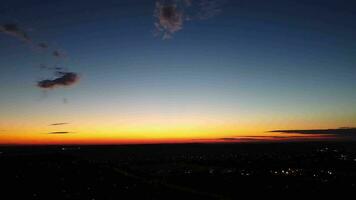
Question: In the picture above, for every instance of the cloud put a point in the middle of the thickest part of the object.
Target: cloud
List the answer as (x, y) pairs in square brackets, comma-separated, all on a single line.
[(258, 138), (59, 124), (238, 139), (171, 14), (272, 138), (339, 131), (169, 19), (43, 66), (64, 79), (60, 132), (15, 31), (58, 54), (230, 139), (342, 133), (43, 45)]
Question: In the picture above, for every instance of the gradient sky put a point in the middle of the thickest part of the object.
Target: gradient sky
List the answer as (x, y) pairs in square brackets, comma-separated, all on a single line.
[(248, 67)]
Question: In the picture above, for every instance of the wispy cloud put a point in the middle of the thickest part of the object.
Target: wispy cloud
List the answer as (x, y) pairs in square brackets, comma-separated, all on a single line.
[(63, 79), (59, 124), (171, 15), (60, 132), (43, 45), (169, 19), (58, 54), (272, 138), (238, 139), (55, 68), (341, 133), (15, 31)]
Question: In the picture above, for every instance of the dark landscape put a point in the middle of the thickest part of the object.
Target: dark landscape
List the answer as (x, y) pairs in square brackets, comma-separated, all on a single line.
[(176, 171)]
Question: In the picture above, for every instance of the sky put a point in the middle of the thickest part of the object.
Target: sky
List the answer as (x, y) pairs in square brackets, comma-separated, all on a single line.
[(148, 71)]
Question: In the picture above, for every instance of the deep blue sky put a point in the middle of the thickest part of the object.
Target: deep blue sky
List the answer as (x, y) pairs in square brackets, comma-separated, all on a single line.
[(273, 62)]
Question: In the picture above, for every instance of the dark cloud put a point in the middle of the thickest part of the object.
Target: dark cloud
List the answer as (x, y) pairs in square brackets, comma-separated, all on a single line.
[(43, 66), (43, 45), (15, 31), (257, 138), (63, 79), (340, 133), (60, 132), (169, 19), (229, 139), (301, 137), (238, 139), (171, 14), (58, 54), (59, 124)]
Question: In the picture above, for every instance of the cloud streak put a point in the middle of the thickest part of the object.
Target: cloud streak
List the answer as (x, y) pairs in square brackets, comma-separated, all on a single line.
[(58, 54), (59, 124), (345, 133), (339, 131), (272, 138), (15, 31), (60, 132), (64, 79), (342, 133), (43, 45)]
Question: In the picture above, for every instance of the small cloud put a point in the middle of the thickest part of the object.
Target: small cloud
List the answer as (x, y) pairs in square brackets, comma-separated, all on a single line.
[(169, 19), (59, 124), (60, 132), (65, 101), (171, 14), (241, 139), (230, 139), (64, 79), (46, 67), (43, 45), (15, 31), (58, 54)]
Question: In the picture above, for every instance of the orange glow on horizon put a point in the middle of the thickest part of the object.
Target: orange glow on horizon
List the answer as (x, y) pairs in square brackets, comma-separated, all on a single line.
[(149, 131), (82, 139)]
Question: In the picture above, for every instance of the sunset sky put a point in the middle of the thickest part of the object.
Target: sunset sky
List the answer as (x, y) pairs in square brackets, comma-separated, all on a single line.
[(146, 71)]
